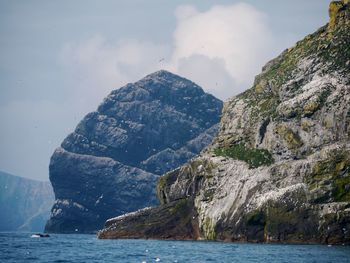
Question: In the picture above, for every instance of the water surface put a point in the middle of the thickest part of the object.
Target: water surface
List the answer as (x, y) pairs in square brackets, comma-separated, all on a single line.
[(20, 247)]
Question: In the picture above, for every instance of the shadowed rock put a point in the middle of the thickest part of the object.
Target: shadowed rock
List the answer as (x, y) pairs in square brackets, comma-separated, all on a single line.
[(110, 164)]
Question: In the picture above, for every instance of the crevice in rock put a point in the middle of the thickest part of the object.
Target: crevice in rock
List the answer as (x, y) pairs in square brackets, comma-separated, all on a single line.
[(262, 130)]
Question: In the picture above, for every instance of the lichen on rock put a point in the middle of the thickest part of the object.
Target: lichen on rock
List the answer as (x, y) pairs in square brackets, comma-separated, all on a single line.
[(297, 116), (335, 8)]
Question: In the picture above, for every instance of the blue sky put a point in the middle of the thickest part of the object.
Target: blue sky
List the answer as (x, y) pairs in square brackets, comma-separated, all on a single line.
[(59, 59)]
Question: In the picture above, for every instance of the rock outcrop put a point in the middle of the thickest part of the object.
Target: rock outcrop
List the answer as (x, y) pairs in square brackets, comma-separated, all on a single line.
[(24, 203), (279, 169), (110, 164)]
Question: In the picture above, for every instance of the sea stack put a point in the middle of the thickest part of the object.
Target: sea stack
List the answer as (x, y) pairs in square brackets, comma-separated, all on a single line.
[(110, 164)]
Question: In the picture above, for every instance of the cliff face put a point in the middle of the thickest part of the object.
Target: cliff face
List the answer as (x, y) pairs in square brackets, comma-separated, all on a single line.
[(279, 169), (24, 204), (110, 164)]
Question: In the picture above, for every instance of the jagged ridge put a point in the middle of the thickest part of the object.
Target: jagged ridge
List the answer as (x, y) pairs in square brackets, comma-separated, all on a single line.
[(293, 125), (110, 164)]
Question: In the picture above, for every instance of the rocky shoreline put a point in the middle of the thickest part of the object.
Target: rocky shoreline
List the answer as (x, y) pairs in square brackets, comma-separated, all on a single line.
[(279, 169)]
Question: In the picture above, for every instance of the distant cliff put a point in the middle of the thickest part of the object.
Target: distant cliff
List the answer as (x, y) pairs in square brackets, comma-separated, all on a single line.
[(24, 204), (110, 164), (279, 169)]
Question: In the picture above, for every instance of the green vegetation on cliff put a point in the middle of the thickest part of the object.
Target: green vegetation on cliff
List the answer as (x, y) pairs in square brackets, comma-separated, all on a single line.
[(253, 157), (331, 177), (294, 124)]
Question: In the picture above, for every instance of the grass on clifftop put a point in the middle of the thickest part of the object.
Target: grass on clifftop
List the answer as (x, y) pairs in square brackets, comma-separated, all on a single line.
[(253, 157)]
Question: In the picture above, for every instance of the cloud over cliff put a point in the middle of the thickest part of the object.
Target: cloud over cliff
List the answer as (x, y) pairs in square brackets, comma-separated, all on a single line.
[(221, 49)]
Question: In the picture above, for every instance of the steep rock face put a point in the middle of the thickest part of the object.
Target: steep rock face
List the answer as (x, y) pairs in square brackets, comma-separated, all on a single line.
[(24, 204), (110, 164), (279, 169)]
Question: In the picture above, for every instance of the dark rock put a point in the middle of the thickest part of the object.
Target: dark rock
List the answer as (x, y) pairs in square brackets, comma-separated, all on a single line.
[(40, 235), (175, 220), (110, 164)]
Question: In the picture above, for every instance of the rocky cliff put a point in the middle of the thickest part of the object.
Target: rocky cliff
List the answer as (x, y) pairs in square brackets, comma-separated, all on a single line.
[(279, 169), (110, 164), (24, 204)]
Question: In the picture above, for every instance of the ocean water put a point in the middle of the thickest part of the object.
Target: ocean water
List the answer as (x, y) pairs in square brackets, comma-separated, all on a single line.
[(20, 247)]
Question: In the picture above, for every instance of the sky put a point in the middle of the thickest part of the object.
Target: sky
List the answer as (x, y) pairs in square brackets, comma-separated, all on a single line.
[(59, 59)]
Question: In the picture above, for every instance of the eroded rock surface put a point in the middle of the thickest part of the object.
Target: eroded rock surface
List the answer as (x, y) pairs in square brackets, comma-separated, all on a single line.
[(279, 169), (110, 164)]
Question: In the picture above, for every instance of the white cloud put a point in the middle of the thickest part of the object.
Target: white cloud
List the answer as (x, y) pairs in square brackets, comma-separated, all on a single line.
[(99, 66), (221, 49), (237, 35), (209, 73), (185, 11)]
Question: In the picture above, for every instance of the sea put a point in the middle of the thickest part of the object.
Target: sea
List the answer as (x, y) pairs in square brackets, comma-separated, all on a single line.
[(21, 247)]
